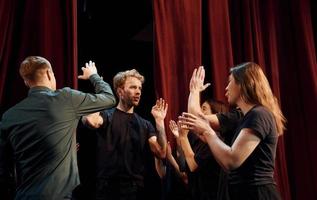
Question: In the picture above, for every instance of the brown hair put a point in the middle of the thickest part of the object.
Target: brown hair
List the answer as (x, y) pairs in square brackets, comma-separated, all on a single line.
[(256, 89), (31, 66), (120, 78), (216, 106)]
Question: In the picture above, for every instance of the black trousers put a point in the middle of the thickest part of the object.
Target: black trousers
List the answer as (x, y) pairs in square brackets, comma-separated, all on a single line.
[(119, 189), (254, 192)]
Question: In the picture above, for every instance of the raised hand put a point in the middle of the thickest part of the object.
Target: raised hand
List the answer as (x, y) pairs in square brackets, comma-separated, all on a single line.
[(88, 70), (198, 125), (183, 131), (197, 80), (93, 120), (159, 110), (174, 128)]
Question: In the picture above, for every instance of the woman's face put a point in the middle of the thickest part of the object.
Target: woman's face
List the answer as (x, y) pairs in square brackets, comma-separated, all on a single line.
[(232, 91), (206, 109)]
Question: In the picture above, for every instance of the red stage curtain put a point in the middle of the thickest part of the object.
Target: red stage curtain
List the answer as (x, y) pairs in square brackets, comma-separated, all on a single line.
[(177, 42), (36, 27), (276, 35)]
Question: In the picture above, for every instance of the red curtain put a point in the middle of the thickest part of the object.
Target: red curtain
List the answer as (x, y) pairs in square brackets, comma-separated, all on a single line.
[(177, 42), (276, 35), (36, 27)]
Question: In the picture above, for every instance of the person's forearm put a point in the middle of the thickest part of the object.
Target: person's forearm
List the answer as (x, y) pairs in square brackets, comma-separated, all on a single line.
[(101, 87), (180, 159), (160, 167), (193, 106), (222, 152), (189, 154), (161, 136)]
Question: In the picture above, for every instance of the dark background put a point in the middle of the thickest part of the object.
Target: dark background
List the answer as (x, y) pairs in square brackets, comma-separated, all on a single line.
[(117, 36)]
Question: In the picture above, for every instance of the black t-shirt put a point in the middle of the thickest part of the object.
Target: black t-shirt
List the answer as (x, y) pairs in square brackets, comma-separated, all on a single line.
[(258, 168), (228, 123), (203, 182), (121, 145)]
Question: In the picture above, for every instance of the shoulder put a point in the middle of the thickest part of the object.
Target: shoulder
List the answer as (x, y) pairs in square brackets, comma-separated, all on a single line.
[(260, 120), (144, 123), (141, 119), (107, 113), (68, 90), (233, 115), (260, 113)]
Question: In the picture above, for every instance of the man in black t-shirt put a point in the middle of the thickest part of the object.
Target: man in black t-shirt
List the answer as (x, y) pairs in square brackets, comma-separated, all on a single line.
[(122, 136)]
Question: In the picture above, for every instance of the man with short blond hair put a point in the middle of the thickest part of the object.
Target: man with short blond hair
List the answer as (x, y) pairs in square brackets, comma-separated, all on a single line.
[(121, 140), (40, 131)]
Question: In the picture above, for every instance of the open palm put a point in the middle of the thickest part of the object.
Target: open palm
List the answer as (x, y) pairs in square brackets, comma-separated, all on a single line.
[(159, 110)]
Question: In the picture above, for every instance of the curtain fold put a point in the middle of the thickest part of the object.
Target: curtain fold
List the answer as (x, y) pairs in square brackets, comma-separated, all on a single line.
[(36, 27), (177, 42)]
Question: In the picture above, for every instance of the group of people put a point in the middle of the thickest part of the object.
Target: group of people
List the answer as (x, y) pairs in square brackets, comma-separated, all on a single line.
[(219, 154)]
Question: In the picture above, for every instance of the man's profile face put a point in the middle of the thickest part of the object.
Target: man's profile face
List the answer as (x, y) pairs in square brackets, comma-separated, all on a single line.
[(130, 93)]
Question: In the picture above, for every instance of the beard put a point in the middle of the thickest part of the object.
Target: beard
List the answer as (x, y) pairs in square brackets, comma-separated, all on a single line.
[(130, 102)]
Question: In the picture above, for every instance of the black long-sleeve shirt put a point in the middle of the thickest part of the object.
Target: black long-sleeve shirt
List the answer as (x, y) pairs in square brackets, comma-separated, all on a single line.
[(40, 130)]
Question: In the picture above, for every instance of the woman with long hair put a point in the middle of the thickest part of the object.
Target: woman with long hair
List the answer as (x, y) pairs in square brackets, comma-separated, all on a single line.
[(250, 157)]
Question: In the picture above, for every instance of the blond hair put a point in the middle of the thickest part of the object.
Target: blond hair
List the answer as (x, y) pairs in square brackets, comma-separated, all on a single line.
[(31, 66), (120, 78), (256, 89)]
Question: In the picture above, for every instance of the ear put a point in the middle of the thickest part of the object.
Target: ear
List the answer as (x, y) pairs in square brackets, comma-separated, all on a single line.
[(26, 83), (48, 74), (119, 92)]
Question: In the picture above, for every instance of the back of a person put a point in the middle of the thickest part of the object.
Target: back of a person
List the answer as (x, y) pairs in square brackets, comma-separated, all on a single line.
[(41, 131)]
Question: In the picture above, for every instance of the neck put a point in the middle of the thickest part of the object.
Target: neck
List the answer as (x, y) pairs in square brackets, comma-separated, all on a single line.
[(245, 107), (124, 107), (40, 85)]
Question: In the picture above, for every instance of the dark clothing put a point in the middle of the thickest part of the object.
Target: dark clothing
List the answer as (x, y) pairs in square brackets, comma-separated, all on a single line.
[(231, 119), (121, 151), (173, 187), (203, 182), (228, 124), (119, 189), (258, 168), (251, 192), (41, 132)]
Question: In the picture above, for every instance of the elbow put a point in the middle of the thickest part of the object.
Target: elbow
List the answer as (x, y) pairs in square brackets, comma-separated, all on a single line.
[(108, 100), (113, 100), (231, 165), (161, 153)]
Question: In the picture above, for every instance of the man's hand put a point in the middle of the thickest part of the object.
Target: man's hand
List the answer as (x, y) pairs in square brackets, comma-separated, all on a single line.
[(88, 70), (197, 80), (159, 110), (93, 120)]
